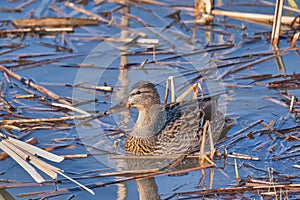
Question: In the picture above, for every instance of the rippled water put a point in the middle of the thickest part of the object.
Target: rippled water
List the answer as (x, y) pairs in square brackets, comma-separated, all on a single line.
[(244, 100)]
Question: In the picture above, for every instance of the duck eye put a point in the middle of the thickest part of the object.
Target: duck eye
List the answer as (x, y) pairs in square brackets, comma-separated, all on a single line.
[(138, 92)]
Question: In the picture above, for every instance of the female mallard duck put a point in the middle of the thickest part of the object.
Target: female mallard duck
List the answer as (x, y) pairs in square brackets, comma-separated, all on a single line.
[(172, 129)]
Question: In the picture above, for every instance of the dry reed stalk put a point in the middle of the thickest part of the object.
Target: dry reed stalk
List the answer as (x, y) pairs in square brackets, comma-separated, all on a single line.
[(188, 91), (140, 41), (292, 104), (212, 30), (211, 141), (236, 171), (126, 173), (296, 166), (12, 127), (32, 127), (26, 184), (203, 141), (142, 65), (275, 101), (13, 47), (41, 120), (33, 85), (234, 86), (64, 139), (270, 125), (285, 186), (202, 11), (260, 18), (173, 92), (75, 156), (139, 2), (34, 150), (290, 83), (209, 160), (288, 97), (7, 104), (70, 108), (31, 141), (151, 175), (258, 77), (216, 191), (24, 153), (34, 63), (26, 96), (25, 4), (239, 68), (123, 180), (277, 22), (242, 156), (54, 22), (22, 162), (151, 29), (235, 191), (6, 33), (167, 91), (101, 88), (294, 156), (195, 91), (295, 39), (198, 8), (57, 48), (88, 13), (293, 8), (26, 156), (211, 178), (177, 161), (257, 182)]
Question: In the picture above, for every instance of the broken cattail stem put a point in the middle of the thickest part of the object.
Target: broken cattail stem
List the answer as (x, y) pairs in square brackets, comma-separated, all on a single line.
[(167, 92), (75, 156), (70, 108), (236, 170), (292, 104), (188, 91), (275, 101), (211, 140), (202, 147), (173, 93), (295, 39), (242, 156), (277, 22), (270, 125), (33, 173), (260, 18), (51, 22)]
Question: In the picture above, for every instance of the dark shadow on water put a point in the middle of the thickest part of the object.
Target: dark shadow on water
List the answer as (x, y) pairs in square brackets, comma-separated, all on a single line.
[(4, 195)]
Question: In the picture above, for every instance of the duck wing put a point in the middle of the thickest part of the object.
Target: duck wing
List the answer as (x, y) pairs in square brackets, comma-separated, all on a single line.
[(180, 125)]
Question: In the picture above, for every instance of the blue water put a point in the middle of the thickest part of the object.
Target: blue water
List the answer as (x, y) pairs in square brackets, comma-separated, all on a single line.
[(245, 105)]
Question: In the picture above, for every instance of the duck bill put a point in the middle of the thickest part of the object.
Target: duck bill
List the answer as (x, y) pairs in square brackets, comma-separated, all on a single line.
[(122, 105)]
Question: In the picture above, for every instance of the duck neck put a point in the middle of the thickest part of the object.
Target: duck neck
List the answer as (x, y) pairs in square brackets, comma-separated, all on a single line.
[(144, 118), (146, 121), (147, 116)]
